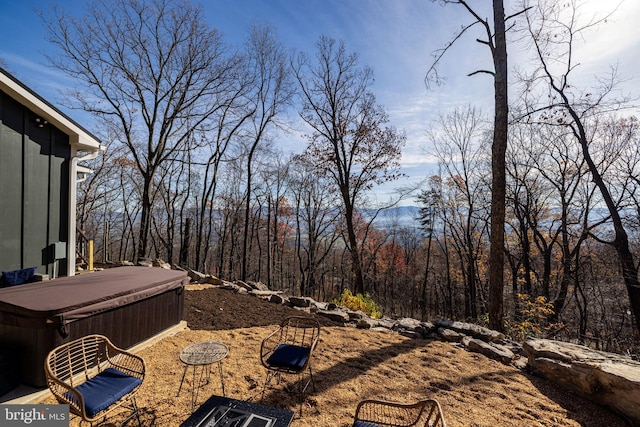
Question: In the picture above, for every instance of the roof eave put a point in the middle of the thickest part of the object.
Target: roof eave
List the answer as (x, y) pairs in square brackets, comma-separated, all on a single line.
[(78, 136)]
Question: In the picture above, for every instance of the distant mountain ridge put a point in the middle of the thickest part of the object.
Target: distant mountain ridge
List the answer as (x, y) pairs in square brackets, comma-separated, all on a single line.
[(395, 217)]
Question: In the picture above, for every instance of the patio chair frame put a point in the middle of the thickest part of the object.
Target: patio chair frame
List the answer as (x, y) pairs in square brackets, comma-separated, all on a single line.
[(72, 364), (380, 413), (295, 331)]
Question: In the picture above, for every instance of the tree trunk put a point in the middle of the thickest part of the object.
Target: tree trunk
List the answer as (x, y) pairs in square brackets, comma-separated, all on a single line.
[(186, 243), (245, 232), (423, 296), (526, 257), (356, 266), (498, 182), (630, 275), (269, 244), (621, 240), (472, 309), (145, 217), (568, 274)]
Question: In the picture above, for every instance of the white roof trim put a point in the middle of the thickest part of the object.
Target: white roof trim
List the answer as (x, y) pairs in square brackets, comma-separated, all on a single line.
[(78, 136)]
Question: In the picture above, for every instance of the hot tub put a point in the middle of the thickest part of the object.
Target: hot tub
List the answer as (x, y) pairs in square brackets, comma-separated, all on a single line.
[(126, 304)]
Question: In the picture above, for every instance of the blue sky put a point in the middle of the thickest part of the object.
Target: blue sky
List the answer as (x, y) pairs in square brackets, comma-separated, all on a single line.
[(394, 37)]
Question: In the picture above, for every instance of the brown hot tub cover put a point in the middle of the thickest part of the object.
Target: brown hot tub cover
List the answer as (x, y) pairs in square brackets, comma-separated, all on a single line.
[(71, 298), (126, 304)]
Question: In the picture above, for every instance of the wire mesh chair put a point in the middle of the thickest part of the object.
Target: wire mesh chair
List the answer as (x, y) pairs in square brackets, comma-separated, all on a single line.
[(378, 413), (288, 350), (94, 377)]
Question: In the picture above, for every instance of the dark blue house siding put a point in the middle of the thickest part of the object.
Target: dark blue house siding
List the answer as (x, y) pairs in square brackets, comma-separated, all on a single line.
[(34, 189)]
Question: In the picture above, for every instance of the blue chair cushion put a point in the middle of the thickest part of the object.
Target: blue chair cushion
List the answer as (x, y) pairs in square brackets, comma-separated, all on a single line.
[(289, 356), (363, 424), (105, 389), (17, 277)]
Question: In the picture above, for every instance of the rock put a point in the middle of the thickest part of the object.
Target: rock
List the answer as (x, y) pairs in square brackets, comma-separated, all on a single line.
[(465, 341), (300, 301), (275, 298), (241, 284), (470, 329), (609, 379), (429, 326), (450, 335), (321, 305), (336, 315), (357, 315), (519, 362), (366, 322), (514, 347), (363, 324), (160, 263), (410, 334), (213, 280), (414, 328), (492, 351), (567, 352), (409, 324), (144, 262), (385, 322), (503, 352), (196, 276), (258, 285), (264, 294), (231, 287)]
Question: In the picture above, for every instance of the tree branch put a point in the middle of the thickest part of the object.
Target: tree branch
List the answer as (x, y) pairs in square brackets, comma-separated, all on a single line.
[(481, 72), (432, 74)]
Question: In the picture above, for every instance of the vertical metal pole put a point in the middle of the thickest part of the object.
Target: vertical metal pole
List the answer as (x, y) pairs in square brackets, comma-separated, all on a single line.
[(106, 244), (90, 255)]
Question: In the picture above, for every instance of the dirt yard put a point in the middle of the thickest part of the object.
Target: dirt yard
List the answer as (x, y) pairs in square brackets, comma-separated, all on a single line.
[(351, 365)]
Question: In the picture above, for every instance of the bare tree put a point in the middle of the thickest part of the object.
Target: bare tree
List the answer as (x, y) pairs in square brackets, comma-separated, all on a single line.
[(553, 29), (552, 204), (217, 138), (98, 198), (630, 167), (275, 177), (272, 90), (172, 193), (458, 142), (228, 224), (152, 69), (495, 39), (315, 224), (430, 204), (351, 142)]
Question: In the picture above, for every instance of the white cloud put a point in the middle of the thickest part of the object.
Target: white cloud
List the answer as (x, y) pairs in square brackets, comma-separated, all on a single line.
[(613, 43)]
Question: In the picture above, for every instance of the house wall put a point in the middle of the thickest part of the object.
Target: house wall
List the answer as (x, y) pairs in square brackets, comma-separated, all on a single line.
[(34, 189)]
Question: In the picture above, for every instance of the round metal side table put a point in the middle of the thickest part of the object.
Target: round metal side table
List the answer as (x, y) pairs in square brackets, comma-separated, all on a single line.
[(201, 356)]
